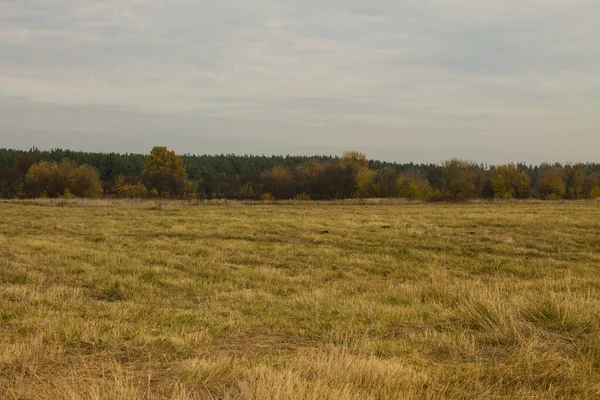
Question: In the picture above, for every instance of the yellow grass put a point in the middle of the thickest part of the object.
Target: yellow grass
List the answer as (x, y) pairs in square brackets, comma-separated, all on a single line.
[(121, 300)]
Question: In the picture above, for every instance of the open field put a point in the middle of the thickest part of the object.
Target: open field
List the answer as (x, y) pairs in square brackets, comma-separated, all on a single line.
[(109, 300)]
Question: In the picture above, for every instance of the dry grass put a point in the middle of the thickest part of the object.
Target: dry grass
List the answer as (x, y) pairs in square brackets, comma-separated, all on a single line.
[(118, 300)]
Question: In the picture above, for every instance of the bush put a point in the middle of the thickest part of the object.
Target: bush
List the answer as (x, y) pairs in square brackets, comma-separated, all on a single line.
[(52, 179), (246, 192), (413, 187), (67, 195), (267, 197), (137, 191), (302, 197)]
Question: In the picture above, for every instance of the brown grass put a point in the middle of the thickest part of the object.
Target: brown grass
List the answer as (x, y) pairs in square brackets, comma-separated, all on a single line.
[(106, 299)]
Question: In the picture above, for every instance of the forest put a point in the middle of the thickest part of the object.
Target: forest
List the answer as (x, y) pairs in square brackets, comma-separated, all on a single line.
[(66, 173)]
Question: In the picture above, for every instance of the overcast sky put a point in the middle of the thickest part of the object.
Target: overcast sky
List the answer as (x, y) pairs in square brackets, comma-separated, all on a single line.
[(402, 80)]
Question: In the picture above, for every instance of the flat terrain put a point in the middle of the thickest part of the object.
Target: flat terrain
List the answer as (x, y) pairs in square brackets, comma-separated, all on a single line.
[(117, 300)]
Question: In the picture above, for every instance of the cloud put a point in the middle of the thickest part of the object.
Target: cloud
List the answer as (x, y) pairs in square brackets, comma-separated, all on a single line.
[(451, 78)]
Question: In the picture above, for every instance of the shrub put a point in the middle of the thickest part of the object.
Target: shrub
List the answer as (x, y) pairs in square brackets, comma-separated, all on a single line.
[(137, 191), (413, 187), (52, 179), (67, 195), (302, 197), (267, 197), (246, 192)]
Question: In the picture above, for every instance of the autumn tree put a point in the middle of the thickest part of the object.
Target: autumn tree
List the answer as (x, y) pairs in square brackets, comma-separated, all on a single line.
[(487, 189), (86, 182), (575, 182), (208, 185), (164, 173), (436, 177), (385, 183), (12, 177), (52, 179), (592, 186), (553, 183), (319, 177), (509, 183), (24, 163), (336, 182), (354, 159), (463, 179), (11, 182), (245, 192), (363, 176), (280, 182), (307, 176), (364, 180), (413, 186)]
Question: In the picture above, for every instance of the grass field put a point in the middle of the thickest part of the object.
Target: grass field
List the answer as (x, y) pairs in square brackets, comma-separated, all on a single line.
[(118, 300)]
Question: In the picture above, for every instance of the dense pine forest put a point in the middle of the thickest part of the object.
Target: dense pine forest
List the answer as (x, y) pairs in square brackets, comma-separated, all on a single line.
[(60, 173)]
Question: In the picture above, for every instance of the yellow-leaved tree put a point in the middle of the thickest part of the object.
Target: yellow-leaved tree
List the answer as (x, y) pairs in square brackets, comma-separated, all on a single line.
[(52, 179), (164, 173), (413, 187), (576, 183), (464, 179), (509, 183), (365, 183), (279, 182), (354, 159), (307, 176), (554, 186), (364, 178)]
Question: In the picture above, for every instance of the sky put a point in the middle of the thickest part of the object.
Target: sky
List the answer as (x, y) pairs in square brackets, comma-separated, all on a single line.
[(401, 80)]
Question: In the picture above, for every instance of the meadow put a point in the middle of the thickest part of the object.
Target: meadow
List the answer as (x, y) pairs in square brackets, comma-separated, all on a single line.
[(104, 299)]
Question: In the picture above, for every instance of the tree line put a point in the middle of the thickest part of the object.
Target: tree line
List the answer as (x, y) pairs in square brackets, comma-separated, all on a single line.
[(162, 173)]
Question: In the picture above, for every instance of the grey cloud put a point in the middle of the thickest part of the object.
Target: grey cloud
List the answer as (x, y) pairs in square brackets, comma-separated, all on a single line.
[(455, 77), (106, 128)]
